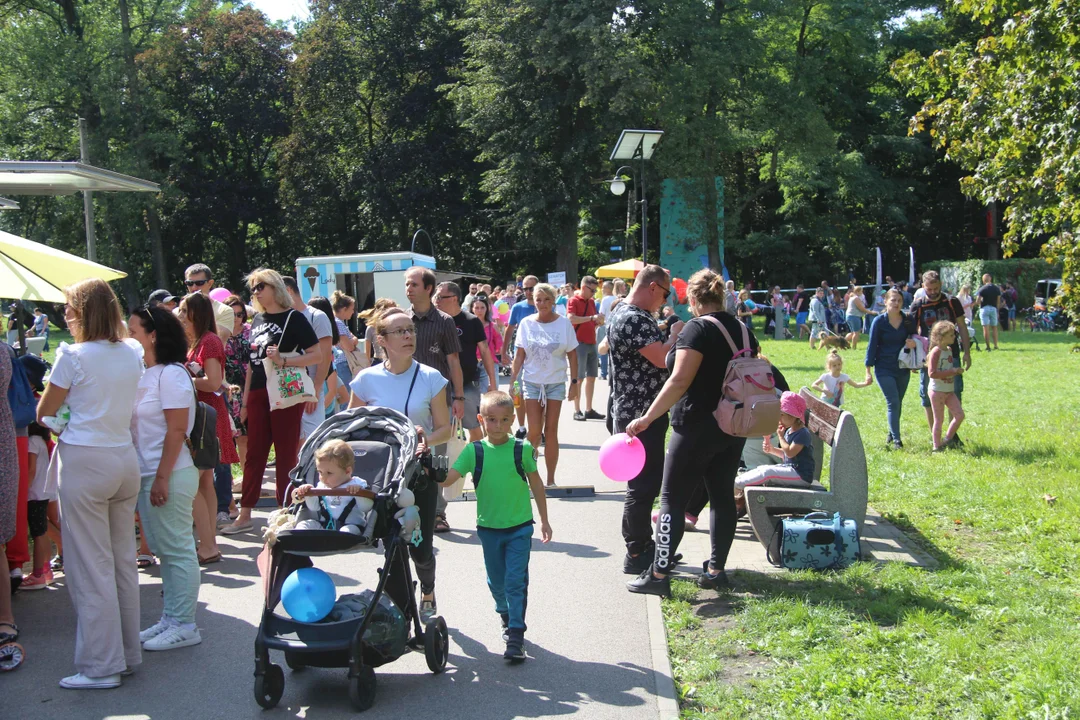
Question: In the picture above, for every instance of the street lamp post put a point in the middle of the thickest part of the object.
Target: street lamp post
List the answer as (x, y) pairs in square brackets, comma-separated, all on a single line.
[(636, 145)]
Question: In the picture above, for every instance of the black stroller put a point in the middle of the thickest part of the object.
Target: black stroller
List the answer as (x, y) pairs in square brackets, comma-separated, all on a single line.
[(384, 443)]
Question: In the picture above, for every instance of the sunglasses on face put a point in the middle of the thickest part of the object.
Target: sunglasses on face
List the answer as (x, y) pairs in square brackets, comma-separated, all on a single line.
[(238, 314), (667, 290), (258, 287), (528, 289), (446, 297), (195, 283)]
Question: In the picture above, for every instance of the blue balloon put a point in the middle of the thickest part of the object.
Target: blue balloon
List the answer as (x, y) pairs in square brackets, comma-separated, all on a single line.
[(308, 595), (750, 304)]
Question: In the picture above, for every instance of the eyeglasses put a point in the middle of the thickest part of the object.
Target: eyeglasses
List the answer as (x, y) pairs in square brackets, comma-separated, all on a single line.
[(195, 283), (667, 290), (258, 287), (401, 332), (446, 297), (528, 289)]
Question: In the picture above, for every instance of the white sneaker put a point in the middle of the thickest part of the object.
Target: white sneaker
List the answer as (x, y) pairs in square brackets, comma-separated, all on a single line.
[(176, 636), (223, 519), (79, 681), (156, 629)]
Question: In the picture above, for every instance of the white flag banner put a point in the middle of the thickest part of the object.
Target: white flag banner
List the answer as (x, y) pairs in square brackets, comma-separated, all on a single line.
[(877, 277), (911, 267)]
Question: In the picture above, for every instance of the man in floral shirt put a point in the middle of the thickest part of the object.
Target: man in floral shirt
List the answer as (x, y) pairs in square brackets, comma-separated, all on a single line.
[(638, 371)]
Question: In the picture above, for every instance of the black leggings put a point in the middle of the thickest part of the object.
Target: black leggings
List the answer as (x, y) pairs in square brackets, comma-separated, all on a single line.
[(698, 453)]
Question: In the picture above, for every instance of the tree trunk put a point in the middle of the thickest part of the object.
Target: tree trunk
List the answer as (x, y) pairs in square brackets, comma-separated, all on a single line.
[(566, 252)]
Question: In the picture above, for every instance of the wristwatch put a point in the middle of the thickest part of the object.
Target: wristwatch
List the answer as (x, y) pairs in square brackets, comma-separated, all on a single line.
[(458, 397), (573, 381)]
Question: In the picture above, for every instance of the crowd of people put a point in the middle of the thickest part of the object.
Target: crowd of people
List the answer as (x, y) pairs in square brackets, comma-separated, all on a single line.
[(122, 399)]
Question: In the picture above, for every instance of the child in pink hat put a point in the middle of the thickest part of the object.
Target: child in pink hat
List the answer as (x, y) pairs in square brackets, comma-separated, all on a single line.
[(796, 453)]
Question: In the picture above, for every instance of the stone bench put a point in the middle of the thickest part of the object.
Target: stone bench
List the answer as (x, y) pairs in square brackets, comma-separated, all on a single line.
[(847, 491)]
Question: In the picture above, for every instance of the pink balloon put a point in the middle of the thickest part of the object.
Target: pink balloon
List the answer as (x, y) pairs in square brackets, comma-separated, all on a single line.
[(620, 460), (219, 294)]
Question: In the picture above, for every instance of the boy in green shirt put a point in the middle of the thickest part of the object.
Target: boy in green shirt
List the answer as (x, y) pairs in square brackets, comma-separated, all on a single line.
[(504, 470)]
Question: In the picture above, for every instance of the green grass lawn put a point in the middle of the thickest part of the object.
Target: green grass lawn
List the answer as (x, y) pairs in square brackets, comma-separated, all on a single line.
[(993, 633)]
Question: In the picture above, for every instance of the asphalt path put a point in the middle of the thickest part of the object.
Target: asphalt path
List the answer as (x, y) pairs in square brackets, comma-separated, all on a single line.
[(588, 640)]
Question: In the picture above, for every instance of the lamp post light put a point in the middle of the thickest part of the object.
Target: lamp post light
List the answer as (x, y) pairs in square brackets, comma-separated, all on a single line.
[(636, 145)]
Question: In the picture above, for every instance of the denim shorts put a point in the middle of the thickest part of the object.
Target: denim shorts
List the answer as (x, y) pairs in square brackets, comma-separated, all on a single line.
[(988, 316), (854, 323), (550, 391)]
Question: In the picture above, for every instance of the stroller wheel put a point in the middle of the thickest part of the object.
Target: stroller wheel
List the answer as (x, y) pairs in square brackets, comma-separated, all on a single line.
[(294, 662), (362, 689), (269, 687), (436, 645)]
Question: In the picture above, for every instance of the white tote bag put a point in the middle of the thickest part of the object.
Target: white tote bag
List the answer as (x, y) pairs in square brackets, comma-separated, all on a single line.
[(287, 386), (458, 440)]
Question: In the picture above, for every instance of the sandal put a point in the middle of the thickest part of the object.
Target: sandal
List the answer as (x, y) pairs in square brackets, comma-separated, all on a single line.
[(6, 637), (145, 561), (210, 560), (441, 526)]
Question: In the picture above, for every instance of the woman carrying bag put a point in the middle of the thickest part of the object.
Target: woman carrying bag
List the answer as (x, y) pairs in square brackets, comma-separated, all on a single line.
[(888, 337), (206, 362), (419, 392), (163, 419), (277, 333)]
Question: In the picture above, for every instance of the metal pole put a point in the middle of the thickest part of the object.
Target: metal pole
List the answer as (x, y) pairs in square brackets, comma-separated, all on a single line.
[(644, 206), (88, 197)]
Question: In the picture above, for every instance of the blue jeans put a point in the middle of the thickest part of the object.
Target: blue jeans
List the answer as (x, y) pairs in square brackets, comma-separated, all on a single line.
[(168, 531), (341, 367), (506, 557), (223, 486), (893, 387)]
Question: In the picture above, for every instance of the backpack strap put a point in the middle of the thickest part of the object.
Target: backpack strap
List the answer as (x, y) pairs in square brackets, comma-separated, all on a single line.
[(478, 465), (735, 352), (519, 458)]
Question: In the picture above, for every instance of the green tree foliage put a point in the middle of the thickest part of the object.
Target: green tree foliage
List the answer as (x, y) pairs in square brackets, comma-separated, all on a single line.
[(542, 89), (1006, 107), (376, 151), (218, 102)]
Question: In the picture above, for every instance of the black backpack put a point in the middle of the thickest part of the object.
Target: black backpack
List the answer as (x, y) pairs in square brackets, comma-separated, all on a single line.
[(519, 453)]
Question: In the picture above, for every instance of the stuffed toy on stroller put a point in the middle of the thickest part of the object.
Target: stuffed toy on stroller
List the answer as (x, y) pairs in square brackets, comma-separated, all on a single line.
[(373, 508)]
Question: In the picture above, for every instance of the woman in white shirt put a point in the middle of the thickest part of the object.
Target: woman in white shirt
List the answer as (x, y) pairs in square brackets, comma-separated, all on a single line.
[(99, 483), (418, 392), (546, 344), (163, 418)]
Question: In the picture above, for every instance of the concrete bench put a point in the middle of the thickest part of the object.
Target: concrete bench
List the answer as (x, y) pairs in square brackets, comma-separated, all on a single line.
[(847, 491)]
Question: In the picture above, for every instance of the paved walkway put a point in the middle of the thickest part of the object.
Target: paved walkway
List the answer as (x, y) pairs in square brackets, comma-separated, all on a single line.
[(588, 639)]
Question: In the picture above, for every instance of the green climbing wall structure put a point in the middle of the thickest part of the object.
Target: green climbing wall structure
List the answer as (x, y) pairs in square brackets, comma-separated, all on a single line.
[(682, 228)]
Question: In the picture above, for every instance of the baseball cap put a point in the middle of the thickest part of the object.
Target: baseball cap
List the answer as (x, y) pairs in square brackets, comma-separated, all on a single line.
[(161, 296), (35, 371)]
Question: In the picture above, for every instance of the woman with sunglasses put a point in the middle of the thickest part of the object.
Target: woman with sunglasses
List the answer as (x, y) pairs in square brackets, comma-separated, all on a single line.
[(276, 329), (98, 376), (418, 392), (163, 418), (206, 361), (546, 342), (698, 451)]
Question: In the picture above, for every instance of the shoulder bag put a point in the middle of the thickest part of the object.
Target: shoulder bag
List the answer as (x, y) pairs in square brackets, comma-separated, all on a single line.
[(287, 386)]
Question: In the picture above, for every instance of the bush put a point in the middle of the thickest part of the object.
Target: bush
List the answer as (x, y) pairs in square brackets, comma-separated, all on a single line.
[(1023, 274)]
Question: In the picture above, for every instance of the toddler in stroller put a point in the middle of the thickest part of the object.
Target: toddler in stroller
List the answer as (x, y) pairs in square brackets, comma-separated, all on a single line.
[(334, 461), (376, 627)]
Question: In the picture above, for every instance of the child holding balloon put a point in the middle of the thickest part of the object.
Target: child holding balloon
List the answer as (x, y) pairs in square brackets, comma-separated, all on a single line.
[(504, 471)]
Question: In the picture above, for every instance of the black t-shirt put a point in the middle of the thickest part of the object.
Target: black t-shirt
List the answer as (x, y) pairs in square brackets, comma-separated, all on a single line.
[(802, 301), (989, 295), (925, 312), (701, 398), (266, 330), (470, 332)]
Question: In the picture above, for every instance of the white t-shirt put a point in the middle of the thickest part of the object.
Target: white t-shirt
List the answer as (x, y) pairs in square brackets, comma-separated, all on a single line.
[(605, 304), (377, 386), (336, 504), (320, 323), (161, 388), (546, 345), (831, 384), (40, 487), (101, 378)]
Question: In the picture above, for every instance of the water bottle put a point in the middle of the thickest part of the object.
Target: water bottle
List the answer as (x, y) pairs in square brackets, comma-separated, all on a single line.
[(517, 394)]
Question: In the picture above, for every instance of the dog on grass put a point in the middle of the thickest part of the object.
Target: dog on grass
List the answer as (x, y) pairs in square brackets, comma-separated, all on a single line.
[(847, 342)]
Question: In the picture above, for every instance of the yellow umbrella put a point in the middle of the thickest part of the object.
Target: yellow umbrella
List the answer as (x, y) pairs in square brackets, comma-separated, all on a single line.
[(627, 269), (32, 271)]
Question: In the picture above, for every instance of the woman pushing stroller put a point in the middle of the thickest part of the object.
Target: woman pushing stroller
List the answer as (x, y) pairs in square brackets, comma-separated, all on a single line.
[(418, 392)]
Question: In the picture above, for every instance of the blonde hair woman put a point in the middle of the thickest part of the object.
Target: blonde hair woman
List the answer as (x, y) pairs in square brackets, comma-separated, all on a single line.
[(546, 342), (275, 329), (97, 377), (857, 310), (374, 350)]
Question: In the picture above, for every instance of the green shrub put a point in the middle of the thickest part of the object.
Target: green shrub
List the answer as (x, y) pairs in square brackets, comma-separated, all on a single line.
[(1023, 274)]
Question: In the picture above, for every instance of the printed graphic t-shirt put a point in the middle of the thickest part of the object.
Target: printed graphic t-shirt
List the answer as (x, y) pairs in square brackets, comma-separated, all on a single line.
[(289, 334)]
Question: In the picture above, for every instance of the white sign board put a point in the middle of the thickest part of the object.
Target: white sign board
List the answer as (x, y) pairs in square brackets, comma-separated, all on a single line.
[(556, 278)]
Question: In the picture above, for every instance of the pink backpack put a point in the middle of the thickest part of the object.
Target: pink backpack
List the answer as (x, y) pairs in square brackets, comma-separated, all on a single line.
[(748, 404)]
